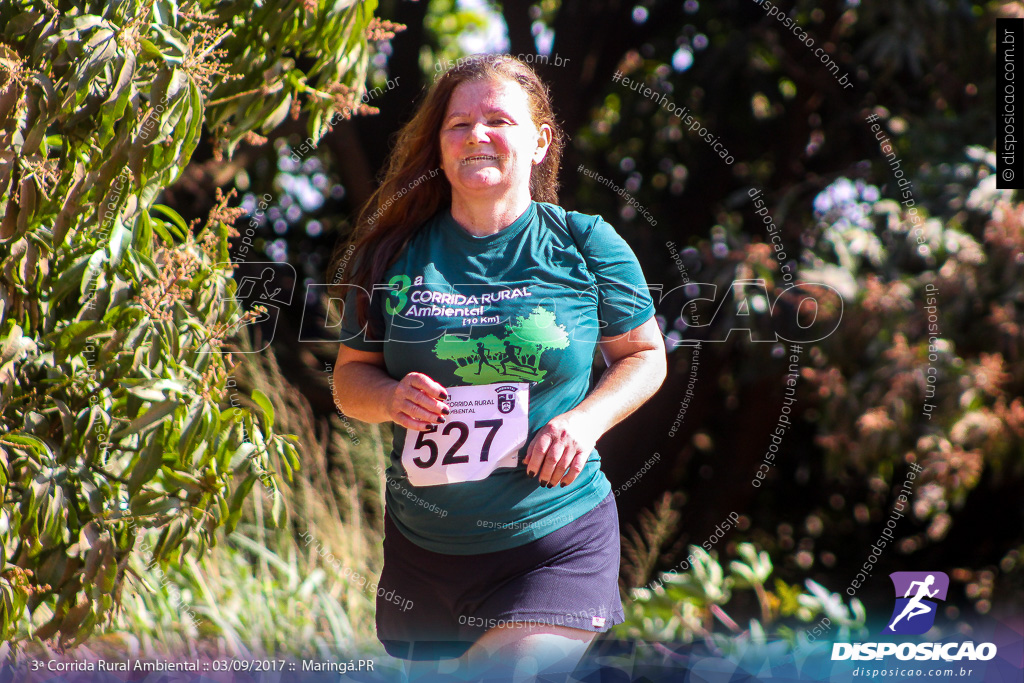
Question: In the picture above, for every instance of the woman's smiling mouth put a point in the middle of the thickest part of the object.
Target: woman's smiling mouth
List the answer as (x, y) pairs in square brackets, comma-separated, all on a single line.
[(480, 157)]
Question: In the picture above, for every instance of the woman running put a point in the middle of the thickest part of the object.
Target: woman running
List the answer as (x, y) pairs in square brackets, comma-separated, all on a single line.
[(510, 548), (482, 357)]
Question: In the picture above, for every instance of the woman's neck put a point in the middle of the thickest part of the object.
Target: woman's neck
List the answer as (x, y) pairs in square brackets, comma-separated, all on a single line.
[(485, 216)]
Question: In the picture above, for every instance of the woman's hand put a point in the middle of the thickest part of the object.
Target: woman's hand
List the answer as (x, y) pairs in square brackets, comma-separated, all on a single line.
[(416, 402), (560, 449), (636, 368)]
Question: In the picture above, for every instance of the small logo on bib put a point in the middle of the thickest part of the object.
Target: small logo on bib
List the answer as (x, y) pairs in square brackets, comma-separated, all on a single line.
[(506, 399)]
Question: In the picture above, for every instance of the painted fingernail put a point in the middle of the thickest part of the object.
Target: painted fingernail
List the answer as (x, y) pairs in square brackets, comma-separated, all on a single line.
[(529, 473), (564, 485), (440, 419), (445, 410), (444, 395)]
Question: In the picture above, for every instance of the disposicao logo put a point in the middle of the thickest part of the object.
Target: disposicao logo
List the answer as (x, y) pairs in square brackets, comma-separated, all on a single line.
[(917, 596), (916, 601)]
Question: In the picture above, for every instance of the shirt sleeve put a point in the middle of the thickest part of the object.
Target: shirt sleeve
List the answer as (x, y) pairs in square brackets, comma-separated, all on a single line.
[(352, 334), (624, 299)]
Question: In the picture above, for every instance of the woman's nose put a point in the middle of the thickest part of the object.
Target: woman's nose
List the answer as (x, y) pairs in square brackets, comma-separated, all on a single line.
[(478, 132)]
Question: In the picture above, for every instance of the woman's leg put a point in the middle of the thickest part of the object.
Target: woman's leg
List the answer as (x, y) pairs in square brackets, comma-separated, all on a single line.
[(523, 652)]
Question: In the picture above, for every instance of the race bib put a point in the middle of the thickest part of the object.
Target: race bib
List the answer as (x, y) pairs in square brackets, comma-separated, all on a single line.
[(487, 426)]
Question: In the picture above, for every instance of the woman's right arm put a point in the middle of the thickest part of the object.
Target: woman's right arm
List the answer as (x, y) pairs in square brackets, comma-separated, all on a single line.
[(364, 390)]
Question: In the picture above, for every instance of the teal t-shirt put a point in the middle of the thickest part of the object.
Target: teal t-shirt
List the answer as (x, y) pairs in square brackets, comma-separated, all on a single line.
[(524, 307)]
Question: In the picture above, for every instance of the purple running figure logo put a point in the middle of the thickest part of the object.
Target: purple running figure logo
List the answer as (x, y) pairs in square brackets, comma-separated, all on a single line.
[(917, 596)]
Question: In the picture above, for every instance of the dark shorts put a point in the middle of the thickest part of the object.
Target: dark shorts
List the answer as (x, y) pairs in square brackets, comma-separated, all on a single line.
[(434, 606)]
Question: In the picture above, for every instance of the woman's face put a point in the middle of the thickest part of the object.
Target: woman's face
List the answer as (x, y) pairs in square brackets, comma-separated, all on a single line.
[(489, 141)]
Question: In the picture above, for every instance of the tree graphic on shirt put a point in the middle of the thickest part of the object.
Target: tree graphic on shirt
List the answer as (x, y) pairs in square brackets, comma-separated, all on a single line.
[(514, 356)]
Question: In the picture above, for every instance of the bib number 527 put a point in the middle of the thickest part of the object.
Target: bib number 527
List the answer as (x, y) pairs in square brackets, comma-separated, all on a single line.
[(486, 429), (423, 440)]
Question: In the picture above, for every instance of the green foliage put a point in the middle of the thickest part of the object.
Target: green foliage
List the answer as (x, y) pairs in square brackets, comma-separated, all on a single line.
[(303, 588), (266, 44), (925, 368), (113, 311), (685, 606), (935, 314), (447, 22), (260, 592)]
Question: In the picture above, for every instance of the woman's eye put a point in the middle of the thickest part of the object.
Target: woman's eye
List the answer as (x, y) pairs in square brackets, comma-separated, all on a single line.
[(491, 122)]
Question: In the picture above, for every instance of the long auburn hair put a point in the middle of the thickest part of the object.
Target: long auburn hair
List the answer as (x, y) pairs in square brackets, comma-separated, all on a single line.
[(405, 199)]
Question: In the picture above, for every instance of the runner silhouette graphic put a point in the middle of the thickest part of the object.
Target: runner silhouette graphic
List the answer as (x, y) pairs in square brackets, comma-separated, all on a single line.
[(511, 356), (914, 607), (482, 356)]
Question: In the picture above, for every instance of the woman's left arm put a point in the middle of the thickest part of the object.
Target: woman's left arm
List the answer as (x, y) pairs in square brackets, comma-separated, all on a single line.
[(636, 369)]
